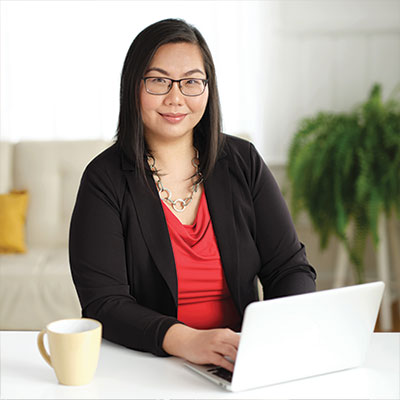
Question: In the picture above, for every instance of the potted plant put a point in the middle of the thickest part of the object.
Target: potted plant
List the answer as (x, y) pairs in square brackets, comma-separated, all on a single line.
[(345, 168)]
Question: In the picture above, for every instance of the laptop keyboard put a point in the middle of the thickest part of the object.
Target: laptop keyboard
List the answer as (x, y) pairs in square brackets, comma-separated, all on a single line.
[(222, 373)]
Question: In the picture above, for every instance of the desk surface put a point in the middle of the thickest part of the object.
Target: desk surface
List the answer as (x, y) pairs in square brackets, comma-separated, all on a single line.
[(127, 374)]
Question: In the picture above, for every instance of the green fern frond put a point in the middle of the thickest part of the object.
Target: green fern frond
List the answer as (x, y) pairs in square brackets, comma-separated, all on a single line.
[(345, 168)]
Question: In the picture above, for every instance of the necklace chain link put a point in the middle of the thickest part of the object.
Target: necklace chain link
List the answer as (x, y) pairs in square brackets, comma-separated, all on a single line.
[(178, 205)]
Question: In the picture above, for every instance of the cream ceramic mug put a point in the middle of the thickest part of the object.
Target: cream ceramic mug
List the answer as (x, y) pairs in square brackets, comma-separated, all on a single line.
[(74, 349)]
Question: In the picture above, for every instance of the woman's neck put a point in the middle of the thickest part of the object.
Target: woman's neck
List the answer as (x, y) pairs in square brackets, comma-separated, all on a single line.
[(174, 158)]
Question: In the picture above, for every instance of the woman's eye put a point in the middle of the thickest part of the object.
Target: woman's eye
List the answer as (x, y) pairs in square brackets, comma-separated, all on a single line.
[(158, 80), (193, 82)]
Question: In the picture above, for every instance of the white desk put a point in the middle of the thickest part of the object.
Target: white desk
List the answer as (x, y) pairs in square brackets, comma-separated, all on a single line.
[(127, 374)]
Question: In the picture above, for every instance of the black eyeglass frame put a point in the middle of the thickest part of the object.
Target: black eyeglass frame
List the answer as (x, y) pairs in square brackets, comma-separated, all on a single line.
[(205, 82)]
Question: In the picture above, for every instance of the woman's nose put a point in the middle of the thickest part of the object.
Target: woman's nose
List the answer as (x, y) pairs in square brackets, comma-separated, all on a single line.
[(174, 96)]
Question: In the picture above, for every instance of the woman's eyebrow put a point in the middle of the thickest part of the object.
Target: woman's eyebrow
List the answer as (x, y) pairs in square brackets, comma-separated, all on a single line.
[(162, 71), (193, 71)]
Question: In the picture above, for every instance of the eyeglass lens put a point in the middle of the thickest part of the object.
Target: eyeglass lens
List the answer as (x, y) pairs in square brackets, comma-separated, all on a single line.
[(189, 87)]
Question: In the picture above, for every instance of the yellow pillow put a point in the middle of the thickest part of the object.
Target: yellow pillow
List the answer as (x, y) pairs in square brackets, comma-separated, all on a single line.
[(13, 208)]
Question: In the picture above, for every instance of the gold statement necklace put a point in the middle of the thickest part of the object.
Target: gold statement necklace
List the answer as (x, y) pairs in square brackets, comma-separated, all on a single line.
[(178, 205)]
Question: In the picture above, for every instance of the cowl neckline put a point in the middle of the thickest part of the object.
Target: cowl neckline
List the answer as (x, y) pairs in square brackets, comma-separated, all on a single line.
[(193, 233)]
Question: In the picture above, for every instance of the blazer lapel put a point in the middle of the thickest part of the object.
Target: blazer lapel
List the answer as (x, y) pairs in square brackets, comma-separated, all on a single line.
[(219, 200), (154, 228)]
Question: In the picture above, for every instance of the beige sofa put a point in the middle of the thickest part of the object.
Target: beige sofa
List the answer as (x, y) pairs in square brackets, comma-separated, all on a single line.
[(36, 287)]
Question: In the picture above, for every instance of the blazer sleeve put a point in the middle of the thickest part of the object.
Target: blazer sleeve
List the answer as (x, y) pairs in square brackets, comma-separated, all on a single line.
[(99, 270), (285, 269)]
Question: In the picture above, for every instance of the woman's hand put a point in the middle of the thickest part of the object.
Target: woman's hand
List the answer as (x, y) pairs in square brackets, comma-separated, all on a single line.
[(202, 346)]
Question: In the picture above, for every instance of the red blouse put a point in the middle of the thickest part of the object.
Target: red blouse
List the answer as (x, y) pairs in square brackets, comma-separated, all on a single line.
[(204, 301)]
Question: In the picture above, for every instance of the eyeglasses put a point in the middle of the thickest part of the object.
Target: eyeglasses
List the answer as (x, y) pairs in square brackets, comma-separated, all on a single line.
[(187, 86)]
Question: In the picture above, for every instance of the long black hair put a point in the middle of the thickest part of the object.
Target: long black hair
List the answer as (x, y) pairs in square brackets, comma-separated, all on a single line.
[(208, 137)]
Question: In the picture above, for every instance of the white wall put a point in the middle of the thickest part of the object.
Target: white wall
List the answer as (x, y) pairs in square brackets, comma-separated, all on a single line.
[(61, 62), (325, 56), (276, 62)]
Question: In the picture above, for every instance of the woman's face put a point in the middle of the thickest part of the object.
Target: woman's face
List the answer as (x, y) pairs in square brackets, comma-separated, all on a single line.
[(173, 115)]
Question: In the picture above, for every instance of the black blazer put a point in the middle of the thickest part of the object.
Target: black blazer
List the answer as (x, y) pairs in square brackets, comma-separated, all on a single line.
[(121, 257)]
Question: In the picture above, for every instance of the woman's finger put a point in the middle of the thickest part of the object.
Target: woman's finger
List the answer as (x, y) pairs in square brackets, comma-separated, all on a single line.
[(227, 350), (230, 337), (221, 361)]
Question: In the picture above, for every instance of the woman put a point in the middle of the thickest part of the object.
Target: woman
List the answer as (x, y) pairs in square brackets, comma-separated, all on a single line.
[(174, 222)]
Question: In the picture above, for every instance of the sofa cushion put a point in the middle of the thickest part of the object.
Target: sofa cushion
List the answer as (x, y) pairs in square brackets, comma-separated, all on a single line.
[(36, 288), (51, 172), (6, 157)]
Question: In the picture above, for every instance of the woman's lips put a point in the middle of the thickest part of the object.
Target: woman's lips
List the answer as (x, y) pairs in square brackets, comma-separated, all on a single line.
[(173, 118)]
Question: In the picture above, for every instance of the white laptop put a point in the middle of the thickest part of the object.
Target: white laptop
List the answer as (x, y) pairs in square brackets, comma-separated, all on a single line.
[(301, 336)]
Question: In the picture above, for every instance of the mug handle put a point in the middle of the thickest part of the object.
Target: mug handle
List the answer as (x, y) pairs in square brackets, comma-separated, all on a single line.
[(42, 349)]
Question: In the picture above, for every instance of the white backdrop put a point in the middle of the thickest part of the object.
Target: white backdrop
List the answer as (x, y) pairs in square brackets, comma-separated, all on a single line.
[(61, 62), (277, 61)]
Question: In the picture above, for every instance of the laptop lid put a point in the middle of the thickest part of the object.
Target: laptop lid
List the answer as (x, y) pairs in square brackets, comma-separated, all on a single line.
[(305, 335)]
